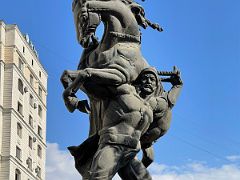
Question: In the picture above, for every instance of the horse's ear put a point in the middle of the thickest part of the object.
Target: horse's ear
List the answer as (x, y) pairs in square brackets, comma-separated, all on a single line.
[(137, 9), (139, 13), (74, 3)]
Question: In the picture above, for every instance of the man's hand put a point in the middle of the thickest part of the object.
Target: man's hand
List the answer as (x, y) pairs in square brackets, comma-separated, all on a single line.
[(175, 79)]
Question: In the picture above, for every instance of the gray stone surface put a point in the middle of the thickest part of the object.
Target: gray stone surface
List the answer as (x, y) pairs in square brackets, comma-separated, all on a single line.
[(128, 107)]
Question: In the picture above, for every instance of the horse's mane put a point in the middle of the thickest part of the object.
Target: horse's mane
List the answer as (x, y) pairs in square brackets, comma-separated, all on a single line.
[(127, 1)]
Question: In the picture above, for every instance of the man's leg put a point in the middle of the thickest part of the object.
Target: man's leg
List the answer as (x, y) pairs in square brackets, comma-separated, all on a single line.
[(134, 170), (109, 159), (105, 162), (148, 156)]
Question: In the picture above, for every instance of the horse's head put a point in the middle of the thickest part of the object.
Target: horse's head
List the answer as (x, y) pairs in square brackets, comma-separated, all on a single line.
[(85, 23)]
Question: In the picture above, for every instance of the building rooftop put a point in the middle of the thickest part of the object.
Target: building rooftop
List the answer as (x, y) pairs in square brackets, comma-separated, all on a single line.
[(26, 37)]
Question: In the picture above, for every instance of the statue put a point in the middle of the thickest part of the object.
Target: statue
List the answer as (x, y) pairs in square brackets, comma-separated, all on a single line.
[(129, 109), (149, 87)]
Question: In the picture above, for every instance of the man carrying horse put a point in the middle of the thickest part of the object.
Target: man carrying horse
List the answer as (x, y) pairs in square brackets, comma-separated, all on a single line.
[(149, 88), (119, 115)]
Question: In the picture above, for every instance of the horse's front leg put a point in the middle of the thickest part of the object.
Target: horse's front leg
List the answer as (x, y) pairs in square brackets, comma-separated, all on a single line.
[(70, 99), (68, 77)]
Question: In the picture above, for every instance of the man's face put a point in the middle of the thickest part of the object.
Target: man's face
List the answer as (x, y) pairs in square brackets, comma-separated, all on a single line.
[(148, 83)]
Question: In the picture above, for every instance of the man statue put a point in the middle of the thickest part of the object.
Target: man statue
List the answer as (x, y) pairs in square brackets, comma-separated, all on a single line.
[(151, 90), (161, 113)]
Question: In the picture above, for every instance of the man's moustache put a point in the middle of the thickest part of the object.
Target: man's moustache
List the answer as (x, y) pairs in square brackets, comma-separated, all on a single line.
[(148, 86)]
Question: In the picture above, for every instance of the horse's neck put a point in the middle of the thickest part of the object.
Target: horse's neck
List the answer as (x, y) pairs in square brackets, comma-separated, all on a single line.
[(119, 22), (119, 30)]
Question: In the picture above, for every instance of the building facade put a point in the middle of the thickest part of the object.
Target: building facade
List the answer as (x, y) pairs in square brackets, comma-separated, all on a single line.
[(23, 91)]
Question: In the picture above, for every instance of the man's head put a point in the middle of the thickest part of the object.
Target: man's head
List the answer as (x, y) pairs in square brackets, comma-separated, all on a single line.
[(148, 83)]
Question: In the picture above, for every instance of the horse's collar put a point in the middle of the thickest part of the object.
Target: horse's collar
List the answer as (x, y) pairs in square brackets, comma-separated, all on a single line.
[(127, 37)]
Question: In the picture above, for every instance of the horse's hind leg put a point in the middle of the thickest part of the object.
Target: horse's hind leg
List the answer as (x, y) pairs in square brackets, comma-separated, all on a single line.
[(95, 81), (106, 76)]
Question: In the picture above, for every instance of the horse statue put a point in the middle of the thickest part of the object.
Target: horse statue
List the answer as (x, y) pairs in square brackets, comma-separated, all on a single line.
[(117, 58), (106, 71)]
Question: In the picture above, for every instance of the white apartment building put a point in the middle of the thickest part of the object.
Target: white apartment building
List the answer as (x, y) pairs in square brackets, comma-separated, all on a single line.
[(23, 91)]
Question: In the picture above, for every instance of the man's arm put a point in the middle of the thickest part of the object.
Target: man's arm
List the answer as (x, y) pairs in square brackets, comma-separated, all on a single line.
[(174, 92), (157, 129)]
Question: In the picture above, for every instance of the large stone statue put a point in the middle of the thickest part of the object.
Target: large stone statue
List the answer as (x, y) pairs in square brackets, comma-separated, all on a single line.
[(129, 110)]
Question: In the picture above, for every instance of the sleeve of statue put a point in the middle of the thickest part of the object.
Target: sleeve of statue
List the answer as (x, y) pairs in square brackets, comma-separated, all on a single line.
[(173, 94)]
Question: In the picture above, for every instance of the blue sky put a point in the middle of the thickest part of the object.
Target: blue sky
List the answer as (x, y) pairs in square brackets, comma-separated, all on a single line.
[(201, 37)]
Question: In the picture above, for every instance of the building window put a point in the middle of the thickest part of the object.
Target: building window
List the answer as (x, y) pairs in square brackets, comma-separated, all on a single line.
[(20, 108), (39, 151), (31, 100), (39, 131), (31, 80), (32, 62), (19, 130), (18, 152), (20, 86), (29, 163), (20, 64), (30, 142), (38, 171), (17, 174), (40, 111), (40, 91), (40, 74), (30, 121)]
